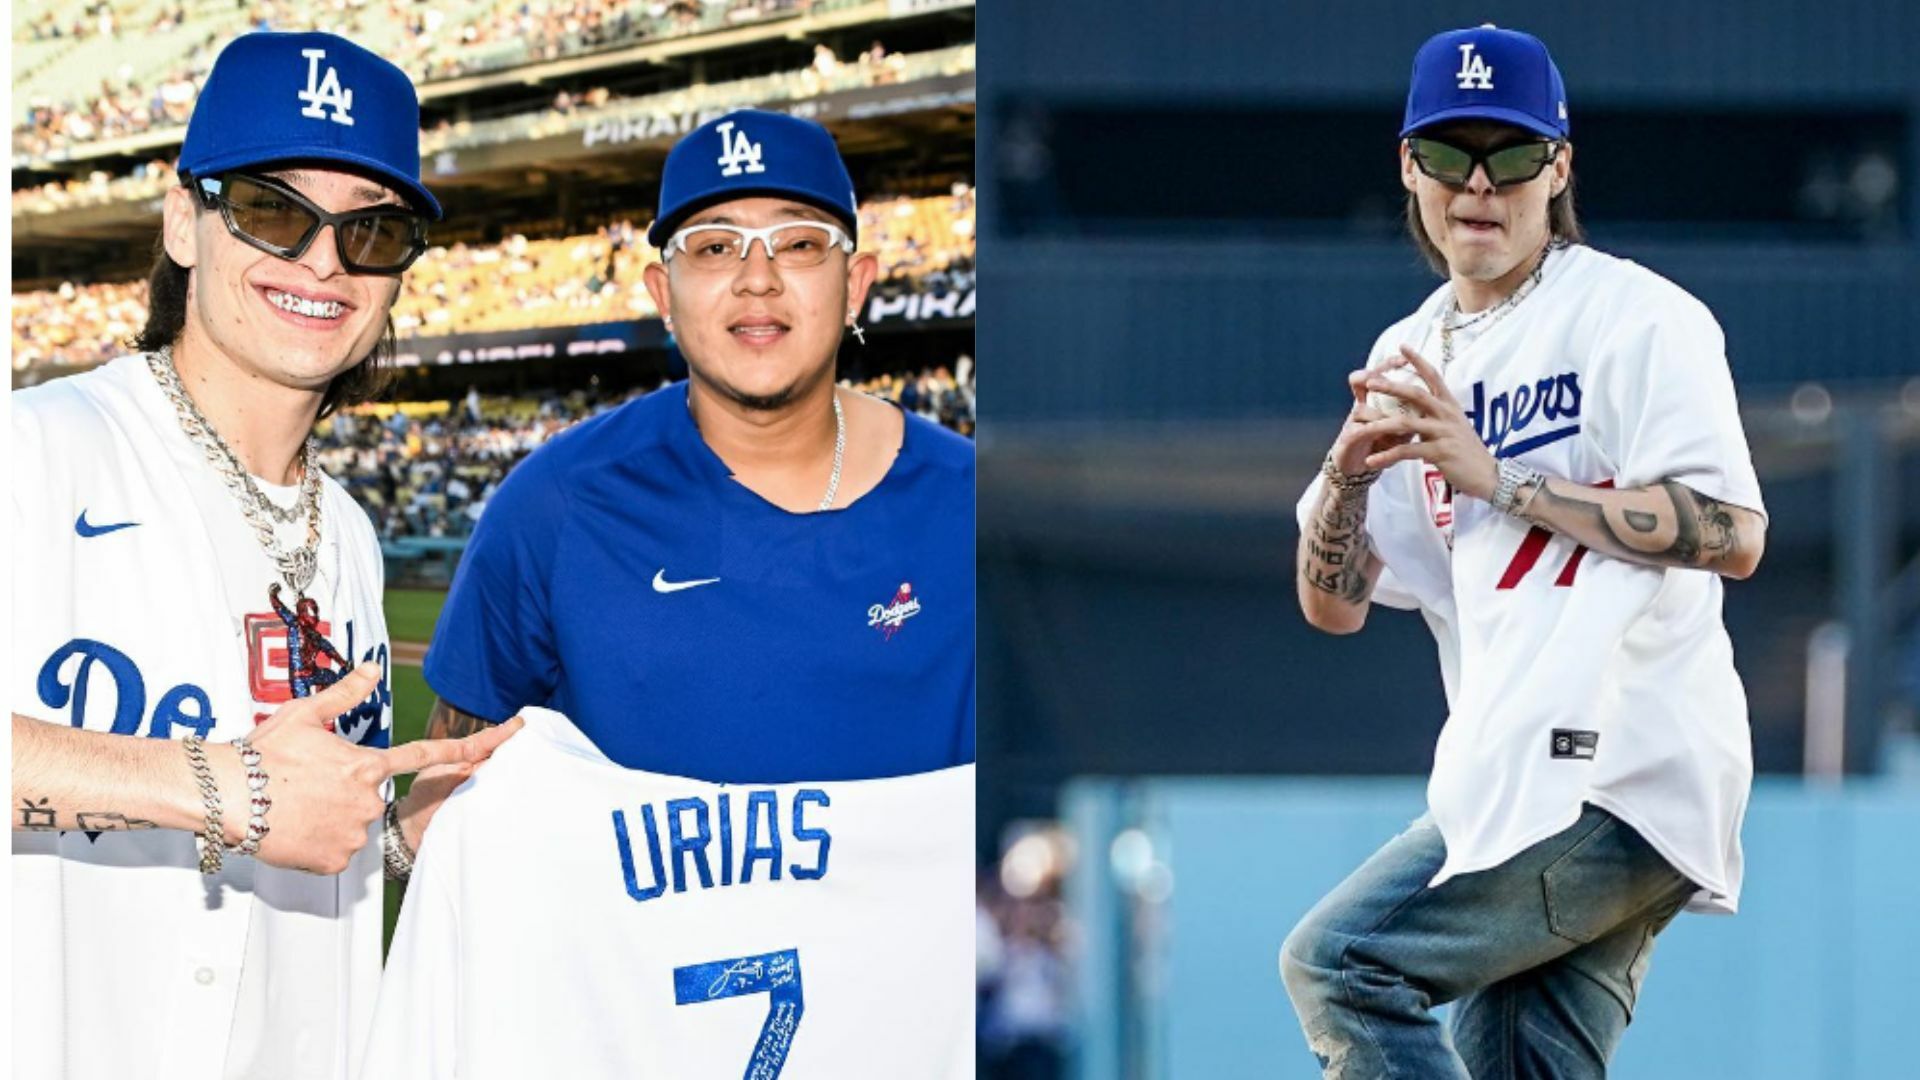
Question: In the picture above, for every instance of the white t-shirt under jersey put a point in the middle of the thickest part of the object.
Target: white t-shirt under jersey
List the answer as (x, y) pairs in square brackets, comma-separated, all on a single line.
[(1573, 677), (140, 606), (569, 917)]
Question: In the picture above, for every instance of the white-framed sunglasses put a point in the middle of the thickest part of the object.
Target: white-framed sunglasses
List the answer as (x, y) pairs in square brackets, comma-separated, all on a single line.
[(791, 245)]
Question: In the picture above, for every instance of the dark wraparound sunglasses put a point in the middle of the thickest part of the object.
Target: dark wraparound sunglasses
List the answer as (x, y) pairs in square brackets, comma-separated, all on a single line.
[(278, 220), (1515, 163)]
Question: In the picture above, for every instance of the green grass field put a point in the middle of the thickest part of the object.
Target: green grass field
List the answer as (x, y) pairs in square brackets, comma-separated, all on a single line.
[(411, 613), (410, 617)]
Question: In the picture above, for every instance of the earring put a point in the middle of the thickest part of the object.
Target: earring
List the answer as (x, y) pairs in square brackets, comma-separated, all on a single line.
[(859, 334), (668, 320)]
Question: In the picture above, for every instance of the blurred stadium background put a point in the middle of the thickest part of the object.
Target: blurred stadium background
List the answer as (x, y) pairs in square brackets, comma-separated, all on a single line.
[(545, 123), (1193, 219)]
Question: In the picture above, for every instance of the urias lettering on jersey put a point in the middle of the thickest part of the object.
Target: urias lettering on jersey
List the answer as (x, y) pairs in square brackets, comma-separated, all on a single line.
[(703, 837)]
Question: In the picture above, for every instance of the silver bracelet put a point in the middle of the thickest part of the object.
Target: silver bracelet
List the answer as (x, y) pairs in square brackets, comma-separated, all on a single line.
[(212, 840), (393, 846), (258, 802), (1513, 477)]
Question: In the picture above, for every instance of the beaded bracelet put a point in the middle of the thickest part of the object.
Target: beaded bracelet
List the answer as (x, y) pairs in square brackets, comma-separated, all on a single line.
[(258, 802)]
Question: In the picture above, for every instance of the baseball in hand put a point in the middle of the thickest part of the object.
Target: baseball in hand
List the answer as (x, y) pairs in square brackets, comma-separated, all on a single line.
[(1387, 404)]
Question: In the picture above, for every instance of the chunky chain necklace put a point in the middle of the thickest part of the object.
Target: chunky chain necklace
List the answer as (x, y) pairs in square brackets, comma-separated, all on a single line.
[(297, 567), (839, 453), (1491, 316)]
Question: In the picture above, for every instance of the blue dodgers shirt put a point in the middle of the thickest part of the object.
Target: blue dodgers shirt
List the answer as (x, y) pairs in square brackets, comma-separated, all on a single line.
[(622, 577)]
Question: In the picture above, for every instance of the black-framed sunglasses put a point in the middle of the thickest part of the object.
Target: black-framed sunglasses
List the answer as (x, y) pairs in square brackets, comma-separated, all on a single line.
[(278, 220), (1515, 163)]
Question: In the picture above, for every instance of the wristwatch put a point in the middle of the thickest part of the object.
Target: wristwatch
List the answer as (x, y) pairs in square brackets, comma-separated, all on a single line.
[(1513, 477)]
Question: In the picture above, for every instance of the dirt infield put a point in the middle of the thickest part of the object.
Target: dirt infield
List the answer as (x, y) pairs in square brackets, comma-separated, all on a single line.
[(410, 653)]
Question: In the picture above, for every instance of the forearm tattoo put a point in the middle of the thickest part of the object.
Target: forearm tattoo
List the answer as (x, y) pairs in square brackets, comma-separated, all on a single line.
[(38, 815), (1667, 524), (447, 722), (1335, 556)]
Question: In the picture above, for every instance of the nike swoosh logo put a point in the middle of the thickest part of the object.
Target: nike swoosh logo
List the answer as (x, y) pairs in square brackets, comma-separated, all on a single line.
[(662, 585), (81, 526)]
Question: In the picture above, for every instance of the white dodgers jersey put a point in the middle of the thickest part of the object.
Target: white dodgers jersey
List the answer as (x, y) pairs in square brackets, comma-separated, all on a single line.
[(1573, 677), (569, 917), (142, 609)]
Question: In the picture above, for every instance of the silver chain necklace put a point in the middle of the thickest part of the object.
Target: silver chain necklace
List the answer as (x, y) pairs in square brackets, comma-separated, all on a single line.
[(1494, 314), (297, 567), (839, 453), (839, 448)]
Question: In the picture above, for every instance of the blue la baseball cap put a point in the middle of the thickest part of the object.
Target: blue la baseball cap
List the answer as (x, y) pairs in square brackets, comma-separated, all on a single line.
[(283, 98), (1486, 73), (752, 152)]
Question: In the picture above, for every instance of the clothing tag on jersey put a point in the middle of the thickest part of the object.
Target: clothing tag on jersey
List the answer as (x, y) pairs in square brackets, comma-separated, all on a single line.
[(1577, 745)]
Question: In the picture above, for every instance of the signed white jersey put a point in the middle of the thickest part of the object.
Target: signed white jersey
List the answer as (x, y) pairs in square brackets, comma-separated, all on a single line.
[(569, 917), (1573, 677), (140, 608)]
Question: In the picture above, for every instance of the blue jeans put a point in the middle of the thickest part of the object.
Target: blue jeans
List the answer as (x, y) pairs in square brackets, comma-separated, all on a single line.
[(1542, 956)]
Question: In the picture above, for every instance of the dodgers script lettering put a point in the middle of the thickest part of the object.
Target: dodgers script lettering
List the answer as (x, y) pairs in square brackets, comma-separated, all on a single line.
[(1554, 399)]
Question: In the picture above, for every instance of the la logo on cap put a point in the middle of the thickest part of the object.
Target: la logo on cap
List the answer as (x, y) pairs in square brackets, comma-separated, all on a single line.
[(321, 93), (1475, 73), (740, 154)]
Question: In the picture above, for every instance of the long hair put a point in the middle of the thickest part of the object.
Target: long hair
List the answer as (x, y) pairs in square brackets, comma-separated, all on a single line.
[(1563, 223), (167, 317)]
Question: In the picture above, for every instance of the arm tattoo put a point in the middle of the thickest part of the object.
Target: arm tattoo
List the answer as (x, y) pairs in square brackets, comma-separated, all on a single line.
[(109, 821), (447, 722), (1336, 557), (36, 815), (1667, 524)]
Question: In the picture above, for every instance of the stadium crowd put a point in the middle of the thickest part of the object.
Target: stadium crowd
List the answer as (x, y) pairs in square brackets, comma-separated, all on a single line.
[(76, 324), (428, 469), (1024, 942), (514, 284), (149, 180), (580, 110), (166, 54)]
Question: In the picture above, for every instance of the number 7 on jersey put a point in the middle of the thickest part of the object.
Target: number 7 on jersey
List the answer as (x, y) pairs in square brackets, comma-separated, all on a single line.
[(1529, 553), (776, 974)]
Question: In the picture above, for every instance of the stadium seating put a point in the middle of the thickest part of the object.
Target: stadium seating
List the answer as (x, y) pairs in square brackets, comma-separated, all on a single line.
[(143, 57), (597, 107), (516, 284), (425, 470)]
